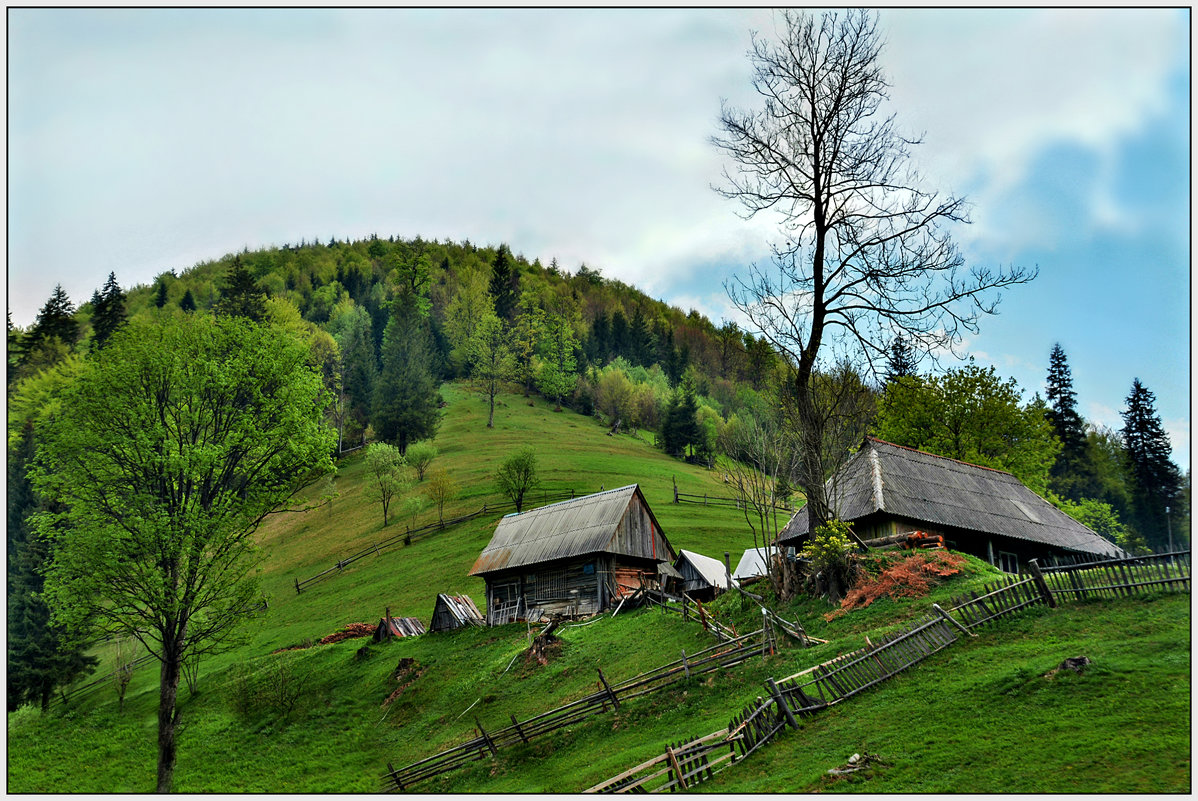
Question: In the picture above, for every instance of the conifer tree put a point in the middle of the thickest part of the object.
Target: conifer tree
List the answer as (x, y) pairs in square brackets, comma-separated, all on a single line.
[(900, 360), (406, 400), (108, 313), (160, 294), (505, 284), (56, 319), (1155, 480), (188, 302), (1070, 474), (241, 296)]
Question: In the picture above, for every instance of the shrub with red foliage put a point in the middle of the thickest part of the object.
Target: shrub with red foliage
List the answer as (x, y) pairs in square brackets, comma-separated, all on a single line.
[(911, 577)]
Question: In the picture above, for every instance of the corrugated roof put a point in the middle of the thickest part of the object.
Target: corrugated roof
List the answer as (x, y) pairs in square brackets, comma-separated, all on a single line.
[(752, 563), (460, 607), (399, 627), (563, 530), (906, 483), (713, 571)]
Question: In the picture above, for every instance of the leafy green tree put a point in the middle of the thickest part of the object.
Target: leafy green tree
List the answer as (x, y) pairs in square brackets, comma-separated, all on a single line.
[(970, 414), (505, 284), (1102, 519), (419, 456), (526, 334), (171, 447), (108, 311), (385, 467), (517, 476), (491, 361), (615, 396), (440, 490), (558, 344), (240, 296), (1155, 480), (468, 306), (406, 401)]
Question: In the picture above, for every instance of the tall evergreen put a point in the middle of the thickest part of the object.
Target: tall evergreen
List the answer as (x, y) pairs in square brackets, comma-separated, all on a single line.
[(241, 296), (56, 319), (39, 657), (108, 313), (1071, 474), (505, 285), (680, 428), (900, 359), (188, 302), (406, 400), (1155, 480), (160, 293)]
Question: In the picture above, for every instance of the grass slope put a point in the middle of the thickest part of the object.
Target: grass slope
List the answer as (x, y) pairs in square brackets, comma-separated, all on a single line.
[(971, 719)]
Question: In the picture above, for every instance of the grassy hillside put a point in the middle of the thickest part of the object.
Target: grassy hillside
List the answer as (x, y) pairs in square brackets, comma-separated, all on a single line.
[(975, 718)]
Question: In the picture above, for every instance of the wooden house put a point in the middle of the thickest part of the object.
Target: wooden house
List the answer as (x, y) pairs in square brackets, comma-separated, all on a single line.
[(453, 612), (572, 558), (702, 576), (886, 490)]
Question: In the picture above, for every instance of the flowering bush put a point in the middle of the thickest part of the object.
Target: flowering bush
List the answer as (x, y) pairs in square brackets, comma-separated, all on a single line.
[(830, 552)]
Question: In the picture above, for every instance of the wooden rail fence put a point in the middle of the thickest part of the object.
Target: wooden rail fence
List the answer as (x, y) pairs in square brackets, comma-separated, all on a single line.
[(723, 655), (411, 534), (831, 682)]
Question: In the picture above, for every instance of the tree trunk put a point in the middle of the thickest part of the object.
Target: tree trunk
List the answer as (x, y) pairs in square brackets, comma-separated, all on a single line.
[(168, 691), (491, 416)]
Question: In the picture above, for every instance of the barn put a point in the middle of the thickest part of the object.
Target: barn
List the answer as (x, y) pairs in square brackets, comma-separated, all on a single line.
[(572, 558), (453, 612), (885, 489)]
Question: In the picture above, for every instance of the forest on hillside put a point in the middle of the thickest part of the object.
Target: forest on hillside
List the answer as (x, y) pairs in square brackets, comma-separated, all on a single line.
[(383, 322)]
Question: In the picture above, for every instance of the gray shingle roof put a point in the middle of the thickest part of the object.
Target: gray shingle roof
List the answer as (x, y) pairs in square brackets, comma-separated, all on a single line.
[(577, 527), (906, 483)]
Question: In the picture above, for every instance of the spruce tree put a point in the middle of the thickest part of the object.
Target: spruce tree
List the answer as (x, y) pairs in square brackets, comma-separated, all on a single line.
[(406, 400), (1155, 480), (56, 319), (188, 302), (1071, 474), (900, 360), (160, 294), (109, 311), (505, 285), (241, 296)]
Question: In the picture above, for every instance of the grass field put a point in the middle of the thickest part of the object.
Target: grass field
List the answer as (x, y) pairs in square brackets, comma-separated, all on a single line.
[(978, 717)]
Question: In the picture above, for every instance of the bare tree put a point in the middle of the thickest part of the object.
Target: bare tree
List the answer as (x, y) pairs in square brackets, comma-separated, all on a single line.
[(866, 254)]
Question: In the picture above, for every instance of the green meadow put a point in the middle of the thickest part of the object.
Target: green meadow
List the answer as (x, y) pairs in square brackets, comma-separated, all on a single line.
[(981, 716)]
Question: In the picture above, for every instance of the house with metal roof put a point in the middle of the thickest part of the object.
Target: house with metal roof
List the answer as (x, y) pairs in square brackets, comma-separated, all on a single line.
[(702, 576), (453, 612), (572, 558), (885, 489)]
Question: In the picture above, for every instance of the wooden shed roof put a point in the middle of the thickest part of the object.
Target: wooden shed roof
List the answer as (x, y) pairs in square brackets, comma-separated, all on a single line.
[(460, 608), (712, 571), (903, 482), (577, 527)]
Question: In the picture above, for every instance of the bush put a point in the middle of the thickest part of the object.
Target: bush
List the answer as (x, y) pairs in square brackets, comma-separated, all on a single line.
[(830, 553)]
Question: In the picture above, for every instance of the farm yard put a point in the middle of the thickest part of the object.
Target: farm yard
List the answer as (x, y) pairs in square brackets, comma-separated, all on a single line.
[(333, 717)]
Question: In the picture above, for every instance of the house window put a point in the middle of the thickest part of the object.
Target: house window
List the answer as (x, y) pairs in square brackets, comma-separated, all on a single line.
[(1008, 562), (504, 593)]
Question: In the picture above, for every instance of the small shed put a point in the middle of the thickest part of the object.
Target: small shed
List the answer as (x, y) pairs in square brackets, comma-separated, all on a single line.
[(572, 558), (752, 563), (397, 627), (453, 612), (702, 576)]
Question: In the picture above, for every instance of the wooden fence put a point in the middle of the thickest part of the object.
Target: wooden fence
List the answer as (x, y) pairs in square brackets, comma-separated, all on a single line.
[(411, 534), (828, 683), (1120, 578), (716, 500), (721, 656)]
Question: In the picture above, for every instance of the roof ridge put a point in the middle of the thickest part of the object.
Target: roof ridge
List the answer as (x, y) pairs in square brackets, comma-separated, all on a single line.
[(938, 456), (580, 498)]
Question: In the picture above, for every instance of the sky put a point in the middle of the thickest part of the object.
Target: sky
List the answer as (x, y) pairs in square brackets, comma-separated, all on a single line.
[(147, 140)]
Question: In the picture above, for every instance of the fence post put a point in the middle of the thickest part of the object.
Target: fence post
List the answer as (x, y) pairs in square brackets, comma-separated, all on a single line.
[(486, 738), (677, 770), (675, 480), (297, 587), (1041, 584), (685, 666), (615, 701), (781, 702)]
